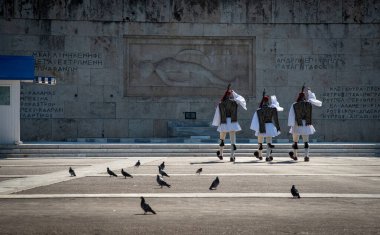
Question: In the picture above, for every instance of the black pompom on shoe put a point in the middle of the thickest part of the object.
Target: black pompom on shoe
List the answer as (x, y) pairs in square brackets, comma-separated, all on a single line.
[(219, 156), (291, 155), (256, 154)]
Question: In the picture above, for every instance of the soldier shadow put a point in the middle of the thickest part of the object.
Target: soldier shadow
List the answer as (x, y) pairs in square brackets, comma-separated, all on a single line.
[(283, 162), (208, 162), (246, 162), (258, 161)]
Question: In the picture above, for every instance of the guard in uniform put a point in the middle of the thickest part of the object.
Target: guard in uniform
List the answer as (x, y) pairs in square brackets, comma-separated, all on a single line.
[(226, 120), (265, 124), (300, 121)]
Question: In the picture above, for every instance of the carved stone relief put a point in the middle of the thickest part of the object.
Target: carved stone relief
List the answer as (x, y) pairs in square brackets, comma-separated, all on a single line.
[(187, 66)]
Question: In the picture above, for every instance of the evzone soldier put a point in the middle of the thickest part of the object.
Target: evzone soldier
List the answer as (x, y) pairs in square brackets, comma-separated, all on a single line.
[(265, 124), (226, 120), (300, 121)]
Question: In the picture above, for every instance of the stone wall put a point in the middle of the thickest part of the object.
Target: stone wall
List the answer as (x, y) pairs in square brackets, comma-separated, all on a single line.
[(130, 69)]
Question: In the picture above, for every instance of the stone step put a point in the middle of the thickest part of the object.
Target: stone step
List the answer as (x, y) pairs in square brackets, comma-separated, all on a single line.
[(178, 150), (182, 145), (123, 150), (81, 155)]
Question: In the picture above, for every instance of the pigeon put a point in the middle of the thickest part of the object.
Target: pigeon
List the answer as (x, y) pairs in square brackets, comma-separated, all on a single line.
[(295, 192), (214, 184), (145, 206), (198, 171), (161, 182), (162, 166), (72, 172), (111, 173), (137, 163), (125, 174), (163, 173)]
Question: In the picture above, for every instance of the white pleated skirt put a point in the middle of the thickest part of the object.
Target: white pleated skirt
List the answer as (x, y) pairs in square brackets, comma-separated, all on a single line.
[(270, 131), (302, 130), (229, 126)]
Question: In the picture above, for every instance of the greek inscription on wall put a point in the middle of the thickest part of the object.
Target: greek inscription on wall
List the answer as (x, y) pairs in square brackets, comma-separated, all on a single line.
[(51, 61), (309, 62), (39, 102), (352, 102)]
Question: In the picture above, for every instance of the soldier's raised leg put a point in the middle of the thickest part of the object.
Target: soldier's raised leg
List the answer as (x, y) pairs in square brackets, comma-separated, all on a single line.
[(294, 154), (222, 137), (233, 145), (270, 148), (259, 153)]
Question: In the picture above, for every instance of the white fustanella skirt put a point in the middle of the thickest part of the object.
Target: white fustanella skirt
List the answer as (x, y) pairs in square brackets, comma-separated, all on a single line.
[(229, 126)]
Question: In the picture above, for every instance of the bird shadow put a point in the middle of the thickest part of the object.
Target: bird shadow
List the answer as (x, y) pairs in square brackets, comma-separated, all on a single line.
[(209, 162), (144, 214)]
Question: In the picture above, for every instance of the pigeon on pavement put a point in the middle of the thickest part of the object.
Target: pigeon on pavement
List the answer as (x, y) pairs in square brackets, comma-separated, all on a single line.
[(198, 171), (162, 166), (161, 182), (111, 173), (145, 206), (137, 163), (295, 192), (72, 172), (214, 184), (125, 174), (163, 173)]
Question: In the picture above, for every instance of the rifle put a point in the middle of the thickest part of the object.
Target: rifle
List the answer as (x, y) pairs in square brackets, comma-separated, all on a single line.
[(226, 92), (303, 88), (262, 99), (228, 87)]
